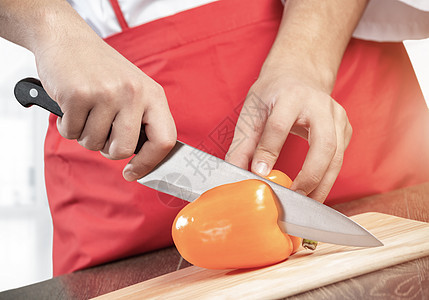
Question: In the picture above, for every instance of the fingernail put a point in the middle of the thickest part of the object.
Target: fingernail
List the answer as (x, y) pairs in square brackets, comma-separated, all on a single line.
[(262, 169), (129, 175)]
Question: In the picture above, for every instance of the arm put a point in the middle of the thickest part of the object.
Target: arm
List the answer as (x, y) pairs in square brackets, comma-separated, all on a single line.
[(95, 86), (294, 87)]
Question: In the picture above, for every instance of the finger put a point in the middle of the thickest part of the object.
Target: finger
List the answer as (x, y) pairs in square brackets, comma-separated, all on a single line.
[(271, 142), (243, 143), (72, 123), (97, 127), (76, 110), (323, 144), (124, 135), (348, 132), (344, 133), (161, 136), (248, 130), (320, 193)]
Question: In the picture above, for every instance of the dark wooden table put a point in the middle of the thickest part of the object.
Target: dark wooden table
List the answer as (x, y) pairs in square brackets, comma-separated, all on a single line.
[(405, 281)]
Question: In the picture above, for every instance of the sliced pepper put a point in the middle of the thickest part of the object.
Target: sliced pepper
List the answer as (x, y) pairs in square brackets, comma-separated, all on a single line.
[(232, 226), (281, 178)]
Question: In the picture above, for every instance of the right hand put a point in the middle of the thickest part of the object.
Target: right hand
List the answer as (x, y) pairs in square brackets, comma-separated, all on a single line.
[(98, 89)]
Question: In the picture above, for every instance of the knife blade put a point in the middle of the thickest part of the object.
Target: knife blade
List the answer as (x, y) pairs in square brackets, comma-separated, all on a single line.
[(182, 174)]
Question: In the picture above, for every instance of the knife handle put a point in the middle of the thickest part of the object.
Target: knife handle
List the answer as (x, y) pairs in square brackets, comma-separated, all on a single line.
[(29, 92)]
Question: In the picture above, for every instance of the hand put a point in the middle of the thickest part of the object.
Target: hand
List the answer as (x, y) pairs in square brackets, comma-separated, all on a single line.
[(286, 102), (293, 89), (98, 89)]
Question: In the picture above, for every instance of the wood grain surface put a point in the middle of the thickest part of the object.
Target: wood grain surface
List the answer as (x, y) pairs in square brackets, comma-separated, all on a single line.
[(403, 281), (409, 280), (403, 240)]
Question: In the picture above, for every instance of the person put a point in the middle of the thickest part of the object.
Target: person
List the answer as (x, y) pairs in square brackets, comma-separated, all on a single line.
[(239, 76)]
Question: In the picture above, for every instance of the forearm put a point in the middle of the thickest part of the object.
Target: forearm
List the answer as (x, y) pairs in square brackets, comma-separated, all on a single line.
[(104, 97), (36, 25), (313, 36)]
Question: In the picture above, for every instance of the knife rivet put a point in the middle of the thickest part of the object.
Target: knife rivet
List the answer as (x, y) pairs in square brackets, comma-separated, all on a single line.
[(34, 93)]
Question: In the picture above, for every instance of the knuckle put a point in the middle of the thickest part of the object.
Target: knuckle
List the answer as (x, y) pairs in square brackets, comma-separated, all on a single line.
[(344, 116), (277, 127), (337, 160), (78, 99), (138, 91), (310, 181), (143, 167), (166, 145), (90, 144), (68, 133), (266, 153), (120, 152), (82, 93), (158, 91), (329, 145), (132, 87), (349, 130), (119, 93), (314, 179), (339, 108), (321, 195), (342, 113)]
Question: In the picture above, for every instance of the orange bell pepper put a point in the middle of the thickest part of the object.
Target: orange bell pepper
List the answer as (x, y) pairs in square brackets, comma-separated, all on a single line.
[(232, 226), (281, 178)]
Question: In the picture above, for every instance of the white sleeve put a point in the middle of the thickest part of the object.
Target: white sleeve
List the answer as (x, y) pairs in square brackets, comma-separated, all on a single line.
[(393, 20), (383, 20), (419, 4), (99, 15)]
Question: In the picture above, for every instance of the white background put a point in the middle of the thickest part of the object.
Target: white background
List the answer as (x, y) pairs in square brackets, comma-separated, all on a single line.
[(25, 224)]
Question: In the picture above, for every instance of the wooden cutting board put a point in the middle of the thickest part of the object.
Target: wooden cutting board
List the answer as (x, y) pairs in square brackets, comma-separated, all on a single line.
[(403, 239)]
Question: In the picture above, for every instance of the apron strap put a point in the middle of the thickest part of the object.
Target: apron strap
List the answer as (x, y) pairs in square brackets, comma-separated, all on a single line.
[(119, 14)]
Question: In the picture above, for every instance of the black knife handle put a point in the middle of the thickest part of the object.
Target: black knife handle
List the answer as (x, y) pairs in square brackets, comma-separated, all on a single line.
[(29, 91)]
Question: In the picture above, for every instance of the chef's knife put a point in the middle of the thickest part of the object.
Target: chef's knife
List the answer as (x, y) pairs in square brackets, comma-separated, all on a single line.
[(188, 172)]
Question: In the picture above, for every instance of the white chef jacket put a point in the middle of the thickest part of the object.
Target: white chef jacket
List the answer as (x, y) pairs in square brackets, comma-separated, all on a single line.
[(383, 20)]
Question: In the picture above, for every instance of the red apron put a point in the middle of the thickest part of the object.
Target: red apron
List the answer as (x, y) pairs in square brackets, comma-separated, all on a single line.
[(206, 59)]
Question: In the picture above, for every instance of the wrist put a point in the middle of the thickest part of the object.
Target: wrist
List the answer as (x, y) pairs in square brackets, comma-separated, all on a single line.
[(59, 25), (312, 38), (25, 22), (42, 24), (302, 66)]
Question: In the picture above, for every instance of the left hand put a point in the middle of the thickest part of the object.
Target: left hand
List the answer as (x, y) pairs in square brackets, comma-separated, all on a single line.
[(284, 101)]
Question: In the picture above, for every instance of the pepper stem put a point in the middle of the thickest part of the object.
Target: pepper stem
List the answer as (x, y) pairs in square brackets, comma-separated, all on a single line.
[(309, 244)]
